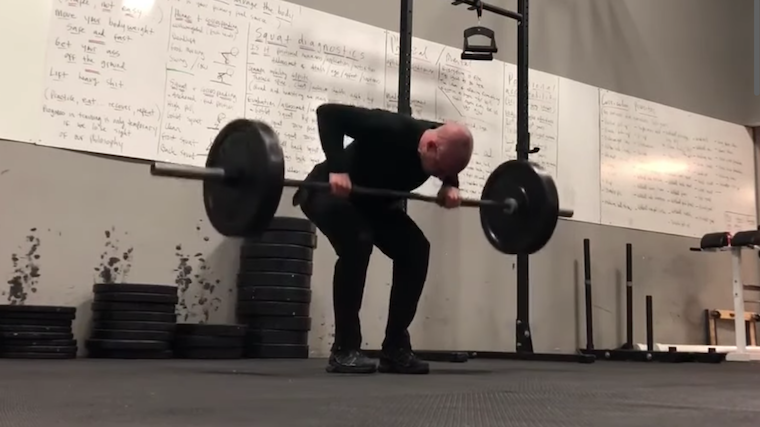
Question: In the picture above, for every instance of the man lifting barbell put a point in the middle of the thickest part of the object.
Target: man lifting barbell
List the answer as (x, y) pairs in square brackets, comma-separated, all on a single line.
[(245, 174), (390, 151)]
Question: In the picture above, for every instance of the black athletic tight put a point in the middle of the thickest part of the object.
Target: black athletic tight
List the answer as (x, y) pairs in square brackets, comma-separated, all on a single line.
[(353, 231)]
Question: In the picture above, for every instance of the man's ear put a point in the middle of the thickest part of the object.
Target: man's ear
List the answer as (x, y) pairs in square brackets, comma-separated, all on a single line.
[(433, 146)]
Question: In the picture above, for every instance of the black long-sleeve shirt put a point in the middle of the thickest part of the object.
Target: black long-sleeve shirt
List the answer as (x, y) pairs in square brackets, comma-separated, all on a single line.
[(384, 153)]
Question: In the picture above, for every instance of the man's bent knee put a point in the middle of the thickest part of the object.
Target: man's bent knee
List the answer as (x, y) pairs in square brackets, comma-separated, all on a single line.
[(415, 250), (421, 247), (357, 247)]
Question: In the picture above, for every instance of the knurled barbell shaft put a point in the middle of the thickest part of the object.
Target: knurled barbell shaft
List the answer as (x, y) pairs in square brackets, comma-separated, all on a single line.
[(381, 192), (204, 173)]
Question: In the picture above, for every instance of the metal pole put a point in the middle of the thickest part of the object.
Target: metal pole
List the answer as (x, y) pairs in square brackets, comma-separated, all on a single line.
[(628, 297), (523, 137), (587, 293), (650, 323), (405, 61), (523, 338)]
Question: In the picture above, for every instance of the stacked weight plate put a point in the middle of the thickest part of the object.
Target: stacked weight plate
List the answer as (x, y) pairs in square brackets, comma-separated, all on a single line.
[(274, 289), (37, 332), (132, 321), (206, 341)]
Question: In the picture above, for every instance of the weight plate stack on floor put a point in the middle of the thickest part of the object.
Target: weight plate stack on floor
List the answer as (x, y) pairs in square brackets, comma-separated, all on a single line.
[(207, 341), (132, 321), (37, 332), (274, 289)]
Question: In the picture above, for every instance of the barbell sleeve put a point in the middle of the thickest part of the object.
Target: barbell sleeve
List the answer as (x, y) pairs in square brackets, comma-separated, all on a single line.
[(187, 171)]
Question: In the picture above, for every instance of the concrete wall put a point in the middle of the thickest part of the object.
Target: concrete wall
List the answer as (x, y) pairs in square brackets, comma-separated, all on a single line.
[(69, 218)]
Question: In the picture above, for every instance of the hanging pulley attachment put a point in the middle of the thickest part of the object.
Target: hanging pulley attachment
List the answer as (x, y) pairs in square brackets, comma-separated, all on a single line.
[(479, 51)]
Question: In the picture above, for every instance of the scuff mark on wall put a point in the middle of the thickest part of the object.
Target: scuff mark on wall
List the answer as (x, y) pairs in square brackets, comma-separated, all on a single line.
[(115, 263), (183, 279), (196, 283), (26, 270), (206, 301)]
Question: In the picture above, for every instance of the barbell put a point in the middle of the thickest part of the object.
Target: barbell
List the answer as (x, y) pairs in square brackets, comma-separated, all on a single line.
[(245, 175)]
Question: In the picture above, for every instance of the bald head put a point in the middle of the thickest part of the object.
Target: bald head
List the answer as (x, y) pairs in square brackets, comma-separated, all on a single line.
[(455, 147), (447, 149)]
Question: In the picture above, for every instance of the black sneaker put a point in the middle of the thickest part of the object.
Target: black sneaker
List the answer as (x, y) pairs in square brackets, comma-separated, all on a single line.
[(350, 362), (402, 361)]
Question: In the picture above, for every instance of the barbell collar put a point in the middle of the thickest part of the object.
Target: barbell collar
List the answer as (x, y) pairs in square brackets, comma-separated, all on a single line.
[(566, 213)]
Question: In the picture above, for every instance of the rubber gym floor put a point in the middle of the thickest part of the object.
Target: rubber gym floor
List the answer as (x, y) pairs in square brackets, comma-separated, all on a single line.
[(270, 393)]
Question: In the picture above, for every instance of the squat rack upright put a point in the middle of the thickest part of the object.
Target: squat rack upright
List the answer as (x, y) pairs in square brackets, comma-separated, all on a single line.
[(523, 335)]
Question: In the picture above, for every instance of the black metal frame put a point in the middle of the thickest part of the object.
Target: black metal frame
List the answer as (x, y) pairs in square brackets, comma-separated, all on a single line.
[(405, 63), (523, 335), (627, 351), (405, 58)]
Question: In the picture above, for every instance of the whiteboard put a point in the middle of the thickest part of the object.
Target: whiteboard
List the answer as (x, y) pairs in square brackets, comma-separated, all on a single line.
[(104, 79), (159, 82), (578, 165), (21, 77), (174, 71), (543, 113), (470, 92), (671, 171)]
